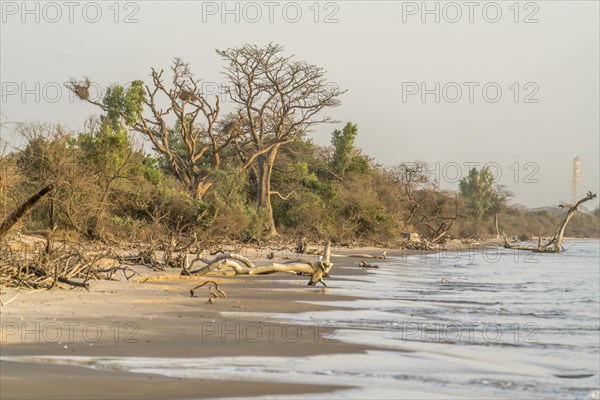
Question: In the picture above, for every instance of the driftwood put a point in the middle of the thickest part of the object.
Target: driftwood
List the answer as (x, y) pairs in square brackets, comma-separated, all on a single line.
[(214, 294), (302, 247), (554, 245), (5, 303), (243, 266), (47, 266), (364, 264), (423, 244), (381, 257), (146, 258), (22, 210), (83, 285), (113, 270)]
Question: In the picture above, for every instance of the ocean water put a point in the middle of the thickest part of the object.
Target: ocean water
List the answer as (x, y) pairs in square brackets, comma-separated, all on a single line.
[(495, 323)]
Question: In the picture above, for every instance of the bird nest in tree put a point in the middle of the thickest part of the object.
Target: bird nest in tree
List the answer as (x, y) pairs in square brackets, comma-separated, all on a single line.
[(82, 91)]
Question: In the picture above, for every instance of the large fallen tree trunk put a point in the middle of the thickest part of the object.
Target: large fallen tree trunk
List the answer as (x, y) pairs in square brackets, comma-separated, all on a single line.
[(22, 210), (554, 245), (243, 266)]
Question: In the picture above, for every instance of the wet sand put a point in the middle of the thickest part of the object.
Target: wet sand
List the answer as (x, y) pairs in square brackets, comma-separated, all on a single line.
[(37, 381)]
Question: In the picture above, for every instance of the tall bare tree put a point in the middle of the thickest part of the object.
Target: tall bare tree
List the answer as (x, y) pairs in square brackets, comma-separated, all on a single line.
[(411, 177), (192, 144), (280, 99)]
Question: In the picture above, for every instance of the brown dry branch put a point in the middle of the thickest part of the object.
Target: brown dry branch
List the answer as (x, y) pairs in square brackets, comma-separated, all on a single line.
[(146, 257), (49, 265), (128, 273), (214, 294)]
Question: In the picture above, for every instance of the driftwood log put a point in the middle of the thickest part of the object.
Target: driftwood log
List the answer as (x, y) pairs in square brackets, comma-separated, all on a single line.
[(554, 245), (364, 264), (243, 266), (364, 255)]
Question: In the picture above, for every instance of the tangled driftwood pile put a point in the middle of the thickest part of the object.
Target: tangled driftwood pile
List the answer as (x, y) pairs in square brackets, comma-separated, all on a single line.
[(46, 265)]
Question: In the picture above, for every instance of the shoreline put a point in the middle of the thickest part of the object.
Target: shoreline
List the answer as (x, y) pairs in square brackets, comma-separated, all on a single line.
[(159, 318)]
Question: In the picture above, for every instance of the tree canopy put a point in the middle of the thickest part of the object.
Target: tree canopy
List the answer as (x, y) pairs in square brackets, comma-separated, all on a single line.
[(478, 189)]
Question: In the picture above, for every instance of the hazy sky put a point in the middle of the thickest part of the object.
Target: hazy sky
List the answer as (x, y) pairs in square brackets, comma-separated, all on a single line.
[(516, 86)]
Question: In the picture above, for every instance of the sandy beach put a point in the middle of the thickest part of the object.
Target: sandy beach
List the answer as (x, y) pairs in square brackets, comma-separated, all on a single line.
[(385, 333), (159, 318)]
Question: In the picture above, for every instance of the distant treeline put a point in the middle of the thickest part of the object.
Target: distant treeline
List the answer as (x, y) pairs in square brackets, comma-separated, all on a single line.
[(106, 187)]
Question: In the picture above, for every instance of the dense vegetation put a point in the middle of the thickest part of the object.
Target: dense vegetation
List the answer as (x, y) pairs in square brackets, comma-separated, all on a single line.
[(107, 187), (149, 167)]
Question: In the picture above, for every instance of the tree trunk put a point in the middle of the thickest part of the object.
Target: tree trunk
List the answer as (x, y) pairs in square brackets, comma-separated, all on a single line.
[(557, 240), (244, 266), (496, 225), (22, 210), (265, 169), (561, 231), (201, 188)]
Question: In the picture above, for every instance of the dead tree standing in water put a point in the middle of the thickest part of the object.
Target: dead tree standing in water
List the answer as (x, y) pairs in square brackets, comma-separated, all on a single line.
[(554, 245)]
